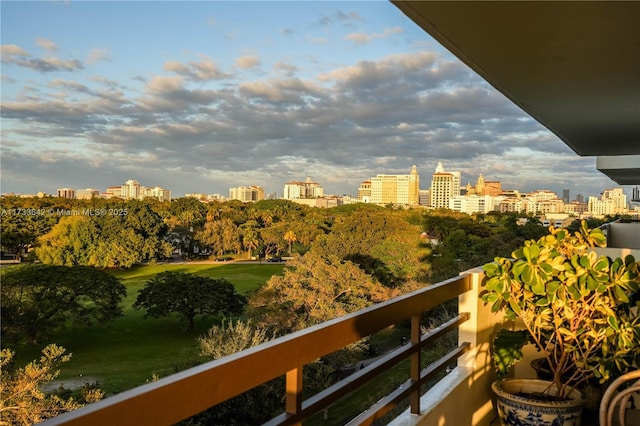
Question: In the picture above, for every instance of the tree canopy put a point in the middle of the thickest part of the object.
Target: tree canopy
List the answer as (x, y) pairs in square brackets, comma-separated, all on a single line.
[(384, 238), (37, 299), (314, 289), (189, 295), (116, 237)]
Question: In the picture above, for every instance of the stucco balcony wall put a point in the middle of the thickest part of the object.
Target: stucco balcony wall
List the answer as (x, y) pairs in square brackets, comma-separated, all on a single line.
[(464, 396)]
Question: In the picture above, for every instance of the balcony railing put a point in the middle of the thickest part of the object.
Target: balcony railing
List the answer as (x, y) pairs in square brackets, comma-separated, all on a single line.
[(192, 391)]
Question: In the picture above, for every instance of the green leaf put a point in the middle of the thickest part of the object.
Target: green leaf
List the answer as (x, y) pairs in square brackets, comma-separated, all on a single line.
[(620, 294), (515, 307), (507, 349), (613, 322), (574, 292), (531, 252), (491, 269), (584, 261), (602, 264), (598, 237), (490, 298), (552, 286), (538, 288), (542, 302)]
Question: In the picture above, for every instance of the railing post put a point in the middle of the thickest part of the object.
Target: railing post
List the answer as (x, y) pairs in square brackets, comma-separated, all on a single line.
[(294, 391), (415, 364), (479, 332)]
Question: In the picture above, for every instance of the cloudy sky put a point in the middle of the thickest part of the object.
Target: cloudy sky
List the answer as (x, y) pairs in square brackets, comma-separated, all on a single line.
[(202, 96)]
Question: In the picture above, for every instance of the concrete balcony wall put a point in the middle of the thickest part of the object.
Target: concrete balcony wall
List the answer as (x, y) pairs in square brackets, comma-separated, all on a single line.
[(464, 396), (625, 235), (623, 239)]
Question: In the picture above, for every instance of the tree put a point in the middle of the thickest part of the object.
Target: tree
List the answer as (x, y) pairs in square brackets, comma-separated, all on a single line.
[(256, 406), (249, 235), (290, 237), (70, 242), (231, 337), (22, 401), (383, 235), (37, 299), (187, 212), (189, 295), (117, 236), (221, 235), (273, 238), (314, 289), (19, 229)]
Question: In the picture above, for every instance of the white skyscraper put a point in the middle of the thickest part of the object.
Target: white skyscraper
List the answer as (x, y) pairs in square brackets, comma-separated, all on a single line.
[(246, 194), (444, 185), (306, 189), (612, 201), (396, 189)]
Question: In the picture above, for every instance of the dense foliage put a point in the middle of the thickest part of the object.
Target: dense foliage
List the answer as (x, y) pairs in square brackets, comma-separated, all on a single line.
[(577, 308), (341, 259), (189, 295), (265, 400), (38, 299), (117, 237), (381, 240), (22, 400), (314, 289)]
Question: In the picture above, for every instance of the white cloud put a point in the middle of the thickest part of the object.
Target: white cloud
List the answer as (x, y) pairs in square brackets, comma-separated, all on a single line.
[(13, 54), (363, 38), (177, 67), (8, 51), (342, 127), (389, 31), (45, 43), (203, 70), (97, 55), (164, 84), (248, 61), (360, 38)]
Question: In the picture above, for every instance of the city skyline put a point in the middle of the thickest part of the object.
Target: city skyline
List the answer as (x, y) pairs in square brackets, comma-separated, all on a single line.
[(211, 95), (427, 180)]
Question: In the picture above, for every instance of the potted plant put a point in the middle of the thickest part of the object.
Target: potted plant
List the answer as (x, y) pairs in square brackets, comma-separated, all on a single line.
[(577, 309)]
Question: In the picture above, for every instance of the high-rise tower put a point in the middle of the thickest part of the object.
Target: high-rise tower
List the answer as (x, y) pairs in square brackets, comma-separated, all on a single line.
[(444, 185), (396, 189)]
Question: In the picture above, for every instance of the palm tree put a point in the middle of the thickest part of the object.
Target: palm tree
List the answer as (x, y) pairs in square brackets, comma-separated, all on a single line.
[(290, 237), (250, 241)]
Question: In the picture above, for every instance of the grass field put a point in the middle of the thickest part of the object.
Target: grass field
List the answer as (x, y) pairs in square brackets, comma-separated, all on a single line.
[(127, 352)]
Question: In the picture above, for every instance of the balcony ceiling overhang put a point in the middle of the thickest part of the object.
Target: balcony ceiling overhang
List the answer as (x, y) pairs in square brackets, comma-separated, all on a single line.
[(572, 66)]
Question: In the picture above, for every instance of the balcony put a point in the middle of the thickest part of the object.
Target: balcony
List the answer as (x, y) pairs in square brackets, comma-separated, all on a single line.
[(574, 67), (189, 392), (470, 371)]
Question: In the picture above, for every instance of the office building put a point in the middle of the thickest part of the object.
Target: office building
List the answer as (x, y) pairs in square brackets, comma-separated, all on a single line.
[(471, 203), (87, 194), (307, 189), (67, 193), (247, 194), (364, 191), (395, 189), (611, 202), (444, 185)]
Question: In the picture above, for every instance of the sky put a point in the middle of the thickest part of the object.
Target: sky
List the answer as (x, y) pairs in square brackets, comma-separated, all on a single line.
[(201, 96)]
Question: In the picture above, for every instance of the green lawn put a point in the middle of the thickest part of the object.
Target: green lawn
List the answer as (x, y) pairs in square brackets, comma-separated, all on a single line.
[(127, 352)]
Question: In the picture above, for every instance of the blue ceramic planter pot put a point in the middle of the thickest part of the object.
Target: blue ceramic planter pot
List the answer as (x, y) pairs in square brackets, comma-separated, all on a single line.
[(516, 409)]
